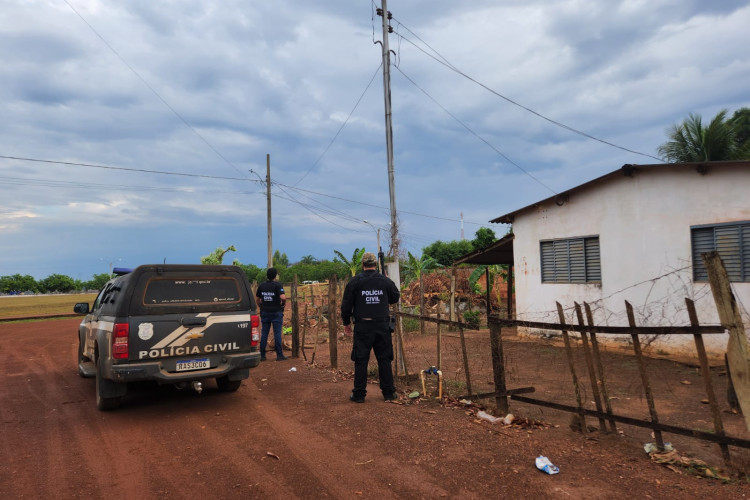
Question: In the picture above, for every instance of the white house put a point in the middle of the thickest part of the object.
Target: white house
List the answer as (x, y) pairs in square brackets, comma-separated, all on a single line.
[(636, 234)]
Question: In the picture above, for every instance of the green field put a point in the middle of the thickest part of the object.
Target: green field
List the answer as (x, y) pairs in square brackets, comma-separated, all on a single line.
[(15, 306)]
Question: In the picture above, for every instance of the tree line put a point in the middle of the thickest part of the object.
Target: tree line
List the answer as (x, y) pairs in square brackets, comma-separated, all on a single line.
[(723, 138), (308, 268)]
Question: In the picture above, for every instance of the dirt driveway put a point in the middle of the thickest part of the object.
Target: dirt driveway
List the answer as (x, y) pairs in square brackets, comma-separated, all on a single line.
[(285, 435)]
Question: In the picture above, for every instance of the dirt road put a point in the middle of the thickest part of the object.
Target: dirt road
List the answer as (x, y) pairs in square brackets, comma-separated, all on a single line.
[(284, 435)]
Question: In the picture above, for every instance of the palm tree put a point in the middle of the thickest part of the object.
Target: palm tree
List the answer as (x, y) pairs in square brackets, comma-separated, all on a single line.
[(692, 142), (353, 264), (413, 267)]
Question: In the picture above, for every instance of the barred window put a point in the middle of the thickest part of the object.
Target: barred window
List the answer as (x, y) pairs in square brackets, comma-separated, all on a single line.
[(573, 260), (731, 241)]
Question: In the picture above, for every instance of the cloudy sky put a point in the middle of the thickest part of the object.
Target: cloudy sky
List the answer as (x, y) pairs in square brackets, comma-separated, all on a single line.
[(136, 131)]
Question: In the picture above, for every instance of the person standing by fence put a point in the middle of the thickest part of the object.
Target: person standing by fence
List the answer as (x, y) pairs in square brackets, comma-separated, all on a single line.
[(271, 300), (367, 298)]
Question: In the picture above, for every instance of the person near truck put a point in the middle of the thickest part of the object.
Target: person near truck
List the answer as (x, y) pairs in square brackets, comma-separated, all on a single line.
[(367, 298), (271, 300)]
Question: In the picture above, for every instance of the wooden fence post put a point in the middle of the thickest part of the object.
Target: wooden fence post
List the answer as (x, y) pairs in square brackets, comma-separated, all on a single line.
[(489, 298), (498, 367), (295, 319), (421, 304), (510, 291), (332, 323), (452, 303), (706, 372), (439, 337), (644, 376), (465, 356), (572, 366), (304, 333), (729, 315), (599, 366), (590, 366)]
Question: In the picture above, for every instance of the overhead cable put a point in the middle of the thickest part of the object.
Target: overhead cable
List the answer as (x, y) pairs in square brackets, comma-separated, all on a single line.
[(519, 167), (342, 125), (89, 165), (178, 115), (450, 66)]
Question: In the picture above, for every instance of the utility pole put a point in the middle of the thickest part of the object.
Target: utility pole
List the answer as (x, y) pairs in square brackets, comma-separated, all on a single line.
[(268, 209), (393, 273), (383, 12)]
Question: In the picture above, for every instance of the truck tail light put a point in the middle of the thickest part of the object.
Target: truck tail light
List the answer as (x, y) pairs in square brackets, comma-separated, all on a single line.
[(254, 330), (120, 341)]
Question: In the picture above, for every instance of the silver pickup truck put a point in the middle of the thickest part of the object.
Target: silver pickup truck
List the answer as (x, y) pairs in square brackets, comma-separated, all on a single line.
[(170, 323)]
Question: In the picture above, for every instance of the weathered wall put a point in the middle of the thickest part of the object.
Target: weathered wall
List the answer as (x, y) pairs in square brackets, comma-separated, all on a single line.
[(643, 223)]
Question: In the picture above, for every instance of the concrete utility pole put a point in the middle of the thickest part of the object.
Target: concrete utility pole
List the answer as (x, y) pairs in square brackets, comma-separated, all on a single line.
[(268, 207), (393, 267), (388, 126)]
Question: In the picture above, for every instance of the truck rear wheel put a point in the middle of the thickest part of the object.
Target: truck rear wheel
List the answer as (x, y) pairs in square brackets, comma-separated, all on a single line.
[(103, 390), (226, 385)]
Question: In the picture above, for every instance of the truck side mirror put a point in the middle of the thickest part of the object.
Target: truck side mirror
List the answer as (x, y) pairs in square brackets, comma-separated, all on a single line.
[(81, 308)]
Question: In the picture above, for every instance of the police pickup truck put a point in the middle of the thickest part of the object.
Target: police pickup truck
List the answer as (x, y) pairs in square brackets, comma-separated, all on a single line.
[(171, 323)]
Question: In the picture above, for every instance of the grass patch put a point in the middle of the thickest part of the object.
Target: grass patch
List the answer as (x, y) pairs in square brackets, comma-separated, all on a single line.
[(41, 305), (410, 324)]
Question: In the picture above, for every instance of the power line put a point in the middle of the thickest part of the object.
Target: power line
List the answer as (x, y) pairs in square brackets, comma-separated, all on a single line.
[(519, 167), (21, 181), (143, 170), (376, 206), (342, 125), (178, 115), (442, 60)]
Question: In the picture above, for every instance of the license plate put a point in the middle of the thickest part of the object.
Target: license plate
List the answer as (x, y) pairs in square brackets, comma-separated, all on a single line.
[(193, 364)]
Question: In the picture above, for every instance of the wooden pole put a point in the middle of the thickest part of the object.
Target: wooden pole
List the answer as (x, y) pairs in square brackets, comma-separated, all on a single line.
[(295, 318), (400, 348), (439, 337), (452, 303), (590, 366), (510, 291), (421, 304), (304, 334), (644, 376), (729, 314), (706, 372), (498, 367), (487, 283), (599, 366), (465, 356), (572, 366), (333, 323)]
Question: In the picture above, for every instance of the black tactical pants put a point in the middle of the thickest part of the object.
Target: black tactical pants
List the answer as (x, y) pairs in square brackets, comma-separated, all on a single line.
[(375, 336)]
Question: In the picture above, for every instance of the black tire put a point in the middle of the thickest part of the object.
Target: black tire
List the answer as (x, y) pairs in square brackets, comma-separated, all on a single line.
[(104, 403), (226, 385)]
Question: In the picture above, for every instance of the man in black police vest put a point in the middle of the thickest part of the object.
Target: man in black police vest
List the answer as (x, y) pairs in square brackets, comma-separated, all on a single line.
[(271, 299), (366, 298)]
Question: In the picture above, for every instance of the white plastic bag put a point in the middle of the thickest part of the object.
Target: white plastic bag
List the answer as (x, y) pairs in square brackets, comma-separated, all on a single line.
[(544, 465)]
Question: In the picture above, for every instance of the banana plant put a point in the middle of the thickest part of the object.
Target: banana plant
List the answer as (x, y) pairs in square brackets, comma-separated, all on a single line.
[(413, 267), (352, 264)]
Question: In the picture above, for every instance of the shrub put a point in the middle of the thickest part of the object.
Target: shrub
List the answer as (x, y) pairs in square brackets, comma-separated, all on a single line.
[(410, 324), (472, 319)]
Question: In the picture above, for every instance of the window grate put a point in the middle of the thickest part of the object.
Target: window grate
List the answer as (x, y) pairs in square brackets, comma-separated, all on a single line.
[(573, 260), (731, 241)]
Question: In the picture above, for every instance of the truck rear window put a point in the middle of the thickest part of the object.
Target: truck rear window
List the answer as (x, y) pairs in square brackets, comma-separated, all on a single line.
[(163, 291)]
